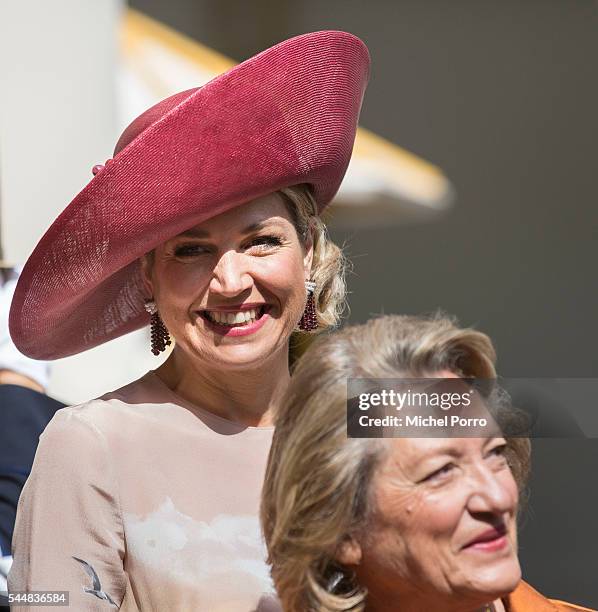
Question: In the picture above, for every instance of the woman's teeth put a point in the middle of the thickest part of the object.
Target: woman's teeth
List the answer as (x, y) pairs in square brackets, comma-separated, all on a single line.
[(233, 318)]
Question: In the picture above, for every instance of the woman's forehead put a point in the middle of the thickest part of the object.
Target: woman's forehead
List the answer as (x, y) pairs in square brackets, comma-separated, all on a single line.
[(407, 452), (266, 211)]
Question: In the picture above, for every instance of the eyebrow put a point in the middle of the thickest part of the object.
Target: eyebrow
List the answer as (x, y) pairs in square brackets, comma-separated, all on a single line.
[(438, 451), (450, 450), (199, 233)]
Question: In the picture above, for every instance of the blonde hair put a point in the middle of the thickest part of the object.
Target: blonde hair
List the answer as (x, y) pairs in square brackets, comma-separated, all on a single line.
[(329, 263), (316, 490)]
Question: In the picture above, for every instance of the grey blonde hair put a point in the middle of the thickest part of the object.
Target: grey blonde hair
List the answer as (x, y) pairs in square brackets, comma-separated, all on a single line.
[(316, 491), (328, 265)]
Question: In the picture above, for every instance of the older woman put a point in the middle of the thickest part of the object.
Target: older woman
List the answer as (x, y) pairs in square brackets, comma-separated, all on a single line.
[(206, 218), (405, 524)]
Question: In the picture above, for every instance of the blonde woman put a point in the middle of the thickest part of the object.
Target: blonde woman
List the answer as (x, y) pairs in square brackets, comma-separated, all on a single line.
[(392, 525), (206, 226)]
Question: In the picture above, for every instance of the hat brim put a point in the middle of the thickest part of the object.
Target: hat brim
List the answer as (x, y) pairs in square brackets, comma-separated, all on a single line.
[(285, 116)]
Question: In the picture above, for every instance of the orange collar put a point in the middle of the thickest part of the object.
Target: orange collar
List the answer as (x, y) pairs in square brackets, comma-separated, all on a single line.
[(526, 599)]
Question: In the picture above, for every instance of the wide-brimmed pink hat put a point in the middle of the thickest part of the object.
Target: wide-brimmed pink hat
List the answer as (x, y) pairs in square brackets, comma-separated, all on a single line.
[(283, 117)]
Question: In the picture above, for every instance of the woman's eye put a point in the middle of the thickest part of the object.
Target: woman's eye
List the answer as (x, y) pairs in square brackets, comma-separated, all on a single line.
[(499, 452), (441, 473), (189, 250), (265, 242)]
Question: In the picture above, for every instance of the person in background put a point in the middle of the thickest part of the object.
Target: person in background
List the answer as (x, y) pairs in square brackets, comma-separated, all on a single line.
[(25, 410), (393, 524)]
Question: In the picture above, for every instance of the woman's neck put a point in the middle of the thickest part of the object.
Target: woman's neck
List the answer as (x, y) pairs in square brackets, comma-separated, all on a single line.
[(244, 396)]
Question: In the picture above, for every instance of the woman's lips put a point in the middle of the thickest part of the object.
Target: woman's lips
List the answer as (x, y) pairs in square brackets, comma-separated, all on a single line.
[(238, 329), (235, 307), (490, 540), (489, 546)]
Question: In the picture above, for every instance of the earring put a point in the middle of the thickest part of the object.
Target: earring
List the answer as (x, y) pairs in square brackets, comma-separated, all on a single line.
[(160, 337), (309, 320)]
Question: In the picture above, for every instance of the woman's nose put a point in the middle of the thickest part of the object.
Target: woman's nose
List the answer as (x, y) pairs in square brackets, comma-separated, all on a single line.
[(230, 277), (494, 492)]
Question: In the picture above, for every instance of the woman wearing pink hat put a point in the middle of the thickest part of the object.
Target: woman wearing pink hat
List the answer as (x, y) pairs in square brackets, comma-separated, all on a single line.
[(204, 224)]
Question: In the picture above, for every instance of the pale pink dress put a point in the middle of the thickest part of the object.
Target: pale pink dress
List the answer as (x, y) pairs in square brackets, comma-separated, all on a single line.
[(156, 497)]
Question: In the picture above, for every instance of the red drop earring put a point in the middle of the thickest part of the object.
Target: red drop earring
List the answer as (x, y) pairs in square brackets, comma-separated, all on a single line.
[(309, 320), (160, 338)]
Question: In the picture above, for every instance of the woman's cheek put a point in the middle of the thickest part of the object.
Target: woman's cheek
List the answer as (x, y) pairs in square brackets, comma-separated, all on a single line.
[(439, 513), (182, 283), (282, 271)]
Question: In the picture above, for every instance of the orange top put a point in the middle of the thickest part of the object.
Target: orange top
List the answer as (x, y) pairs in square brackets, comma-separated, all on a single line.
[(526, 599)]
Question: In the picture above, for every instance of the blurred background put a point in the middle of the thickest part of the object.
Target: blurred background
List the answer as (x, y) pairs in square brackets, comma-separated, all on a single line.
[(473, 187)]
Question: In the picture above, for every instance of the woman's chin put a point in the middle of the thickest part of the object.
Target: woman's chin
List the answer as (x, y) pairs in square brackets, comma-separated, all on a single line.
[(229, 356), (488, 583)]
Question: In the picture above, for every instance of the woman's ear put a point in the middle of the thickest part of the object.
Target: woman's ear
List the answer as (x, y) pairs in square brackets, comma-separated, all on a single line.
[(147, 264), (349, 552)]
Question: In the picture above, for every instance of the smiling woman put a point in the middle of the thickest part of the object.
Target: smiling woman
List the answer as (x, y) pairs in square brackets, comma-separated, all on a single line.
[(147, 498), (231, 291), (392, 525)]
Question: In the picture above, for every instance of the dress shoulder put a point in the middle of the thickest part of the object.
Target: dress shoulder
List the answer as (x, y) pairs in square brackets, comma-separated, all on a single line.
[(69, 529)]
